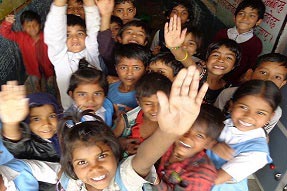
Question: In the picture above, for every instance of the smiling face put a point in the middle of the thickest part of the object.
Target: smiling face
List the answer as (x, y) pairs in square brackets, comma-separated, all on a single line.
[(272, 71), (133, 34), (43, 121), (181, 12), (150, 106), (126, 11), (76, 36), (161, 68), (192, 142), (130, 71), (88, 96), (189, 44), (220, 61), (76, 8), (32, 28), (95, 165), (247, 116), (246, 19)]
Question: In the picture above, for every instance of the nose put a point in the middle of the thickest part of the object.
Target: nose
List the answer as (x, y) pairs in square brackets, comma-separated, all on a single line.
[(90, 98), (125, 13), (130, 71), (220, 59)]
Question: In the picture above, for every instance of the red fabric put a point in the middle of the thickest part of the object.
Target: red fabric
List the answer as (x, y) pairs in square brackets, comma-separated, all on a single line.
[(196, 173), (135, 131), (31, 51), (250, 51)]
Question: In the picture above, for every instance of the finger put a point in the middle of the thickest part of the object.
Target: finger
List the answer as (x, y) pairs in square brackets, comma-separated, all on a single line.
[(174, 26), (163, 102), (166, 28), (193, 89), (188, 81), (183, 34), (201, 93), (178, 24), (177, 83)]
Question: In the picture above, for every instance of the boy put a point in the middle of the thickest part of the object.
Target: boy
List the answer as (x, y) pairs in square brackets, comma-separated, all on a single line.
[(71, 41), (131, 62), (185, 166), (125, 9), (166, 64), (248, 15), (139, 123), (273, 67), (31, 43), (115, 25)]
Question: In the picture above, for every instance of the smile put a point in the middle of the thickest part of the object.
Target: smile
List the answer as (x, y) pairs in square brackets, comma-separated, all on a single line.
[(99, 178), (185, 145), (245, 123)]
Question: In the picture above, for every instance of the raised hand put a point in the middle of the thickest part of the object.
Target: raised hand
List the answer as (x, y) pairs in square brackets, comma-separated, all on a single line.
[(178, 112), (13, 103), (105, 7), (10, 19), (173, 35)]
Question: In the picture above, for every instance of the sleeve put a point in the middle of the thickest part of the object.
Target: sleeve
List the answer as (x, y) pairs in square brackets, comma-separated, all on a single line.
[(44, 171), (6, 31), (248, 163), (55, 34), (106, 44), (93, 23), (131, 180)]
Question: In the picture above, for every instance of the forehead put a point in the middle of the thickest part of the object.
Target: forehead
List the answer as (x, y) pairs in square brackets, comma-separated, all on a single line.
[(126, 4), (249, 100), (89, 87), (224, 50), (249, 10), (159, 64), (276, 66), (33, 22), (151, 98), (135, 28), (47, 108), (130, 61), (75, 28), (180, 8)]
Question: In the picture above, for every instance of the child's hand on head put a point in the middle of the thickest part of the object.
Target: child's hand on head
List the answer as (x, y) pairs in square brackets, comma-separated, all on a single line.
[(105, 7), (10, 19), (178, 112), (13, 103), (173, 35)]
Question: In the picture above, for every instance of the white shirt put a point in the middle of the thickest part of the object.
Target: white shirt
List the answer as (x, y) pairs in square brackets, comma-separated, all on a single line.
[(233, 34)]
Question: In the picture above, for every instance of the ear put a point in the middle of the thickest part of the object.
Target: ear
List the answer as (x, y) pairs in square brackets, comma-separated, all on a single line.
[(119, 39), (230, 106), (70, 94), (248, 75), (258, 22), (145, 43)]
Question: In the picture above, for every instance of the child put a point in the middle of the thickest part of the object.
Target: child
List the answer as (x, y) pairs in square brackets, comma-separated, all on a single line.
[(248, 15), (185, 166), (184, 10), (244, 133), (91, 152), (71, 41), (125, 10), (221, 57), (115, 26), (131, 61), (88, 88), (166, 64), (273, 67), (140, 123), (36, 137), (75, 7), (34, 51)]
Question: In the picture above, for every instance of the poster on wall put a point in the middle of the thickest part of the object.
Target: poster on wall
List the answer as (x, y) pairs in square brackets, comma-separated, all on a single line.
[(8, 6), (268, 30)]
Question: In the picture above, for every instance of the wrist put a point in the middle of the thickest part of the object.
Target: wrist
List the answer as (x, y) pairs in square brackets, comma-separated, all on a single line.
[(172, 48)]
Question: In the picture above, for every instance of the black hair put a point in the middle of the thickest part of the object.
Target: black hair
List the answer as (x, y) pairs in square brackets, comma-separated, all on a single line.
[(88, 75), (137, 23), (73, 20), (254, 4), (228, 43), (28, 16), (124, 1), (183, 3), (132, 51), (168, 59), (272, 57), (150, 83), (213, 118), (265, 89), (72, 132), (118, 20)]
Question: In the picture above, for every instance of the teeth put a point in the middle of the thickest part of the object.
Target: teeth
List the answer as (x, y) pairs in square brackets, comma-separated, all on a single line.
[(99, 178), (219, 67), (184, 144), (245, 123)]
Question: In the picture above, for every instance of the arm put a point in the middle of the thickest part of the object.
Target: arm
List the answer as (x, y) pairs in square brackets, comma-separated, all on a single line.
[(6, 28), (120, 126), (106, 8), (174, 38), (13, 109), (176, 116)]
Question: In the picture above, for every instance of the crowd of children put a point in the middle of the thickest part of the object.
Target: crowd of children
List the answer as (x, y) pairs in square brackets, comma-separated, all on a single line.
[(105, 108)]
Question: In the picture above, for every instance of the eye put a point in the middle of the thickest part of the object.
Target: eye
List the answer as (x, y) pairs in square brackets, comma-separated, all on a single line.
[(35, 119), (82, 163), (98, 94), (68, 35), (161, 72), (53, 115), (119, 11), (261, 113), (240, 13), (243, 107), (140, 34), (262, 72), (278, 77), (229, 58), (137, 68), (103, 155), (81, 34), (174, 11), (123, 67), (81, 94), (130, 10), (199, 136), (253, 16)]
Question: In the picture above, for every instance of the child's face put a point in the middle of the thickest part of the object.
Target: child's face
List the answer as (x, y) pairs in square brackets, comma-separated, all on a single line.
[(162, 68), (126, 11), (149, 107), (246, 19), (32, 28), (220, 61), (271, 71), (130, 71), (43, 121), (247, 116), (88, 96), (76, 8), (189, 44), (115, 27), (181, 12), (191, 143), (133, 34), (95, 165), (76, 36)]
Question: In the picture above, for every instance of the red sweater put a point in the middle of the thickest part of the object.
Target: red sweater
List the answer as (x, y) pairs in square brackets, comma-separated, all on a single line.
[(35, 54), (250, 51)]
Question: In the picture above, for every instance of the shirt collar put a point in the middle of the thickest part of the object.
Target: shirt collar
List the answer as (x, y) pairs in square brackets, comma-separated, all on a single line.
[(233, 34)]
